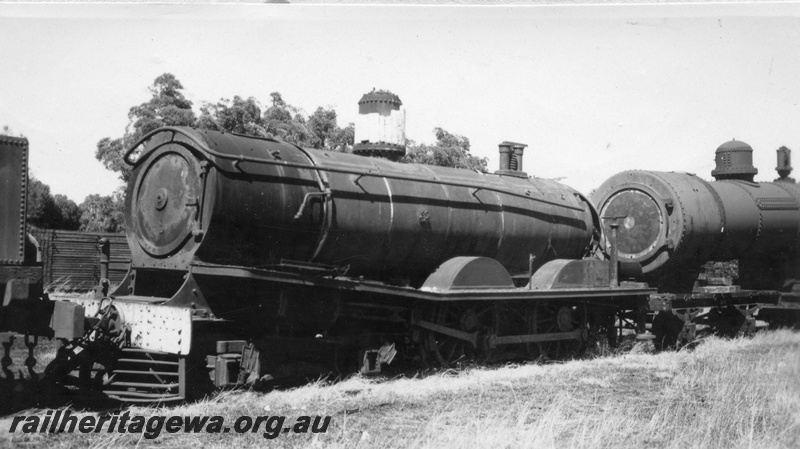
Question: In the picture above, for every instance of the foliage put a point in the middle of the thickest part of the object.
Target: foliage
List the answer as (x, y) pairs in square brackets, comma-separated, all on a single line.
[(42, 209), (70, 213), (166, 107), (450, 150), (344, 138), (103, 213), (48, 211), (281, 120), (238, 116), (285, 122), (169, 107), (96, 214), (110, 152), (326, 134)]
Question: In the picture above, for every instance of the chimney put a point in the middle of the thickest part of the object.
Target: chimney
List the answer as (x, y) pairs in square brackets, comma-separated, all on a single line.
[(511, 159), (784, 167), (519, 148)]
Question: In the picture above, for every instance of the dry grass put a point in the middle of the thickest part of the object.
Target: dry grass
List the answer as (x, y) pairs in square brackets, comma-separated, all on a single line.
[(64, 288), (724, 394)]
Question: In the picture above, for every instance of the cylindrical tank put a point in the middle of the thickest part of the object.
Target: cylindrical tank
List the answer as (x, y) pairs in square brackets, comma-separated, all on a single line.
[(675, 222), (198, 196), (380, 126)]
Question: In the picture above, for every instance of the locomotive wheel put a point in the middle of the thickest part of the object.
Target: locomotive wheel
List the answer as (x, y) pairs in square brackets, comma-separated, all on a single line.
[(549, 318), (447, 351)]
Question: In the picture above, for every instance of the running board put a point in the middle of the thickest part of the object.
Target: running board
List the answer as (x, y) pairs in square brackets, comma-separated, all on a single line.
[(494, 340)]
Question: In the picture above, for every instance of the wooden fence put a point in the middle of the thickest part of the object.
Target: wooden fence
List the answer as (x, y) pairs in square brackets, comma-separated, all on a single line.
[(71, 259)]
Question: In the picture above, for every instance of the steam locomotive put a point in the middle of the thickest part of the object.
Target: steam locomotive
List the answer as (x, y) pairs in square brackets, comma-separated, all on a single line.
[(675, 222), (253, 258)]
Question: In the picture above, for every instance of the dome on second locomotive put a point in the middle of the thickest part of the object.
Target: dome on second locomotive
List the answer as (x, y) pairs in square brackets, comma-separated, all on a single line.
[(734, 160)]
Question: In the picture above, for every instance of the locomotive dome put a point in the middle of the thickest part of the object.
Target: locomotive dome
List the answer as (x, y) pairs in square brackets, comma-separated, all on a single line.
[(734, 160)]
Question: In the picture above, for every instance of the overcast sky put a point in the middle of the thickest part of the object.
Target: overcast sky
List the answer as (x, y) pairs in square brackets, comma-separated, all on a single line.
[(593, 90)]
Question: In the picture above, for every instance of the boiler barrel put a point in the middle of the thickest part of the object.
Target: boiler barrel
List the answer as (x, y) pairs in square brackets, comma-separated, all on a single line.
[(676, 221), (203, 196)]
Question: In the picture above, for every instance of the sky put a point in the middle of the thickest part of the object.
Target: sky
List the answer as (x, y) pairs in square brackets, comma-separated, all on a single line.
[(592, 90)]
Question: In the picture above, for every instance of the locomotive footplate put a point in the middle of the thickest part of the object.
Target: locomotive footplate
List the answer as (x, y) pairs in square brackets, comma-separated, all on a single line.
[(624, 292)]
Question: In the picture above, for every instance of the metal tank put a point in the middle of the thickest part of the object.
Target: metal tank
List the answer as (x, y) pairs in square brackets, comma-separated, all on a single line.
[(675, 222), (13, 196), (380, 126), (199, 196)]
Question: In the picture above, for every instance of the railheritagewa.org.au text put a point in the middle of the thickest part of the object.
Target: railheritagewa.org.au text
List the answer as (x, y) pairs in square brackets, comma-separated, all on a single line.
[(61, 421)]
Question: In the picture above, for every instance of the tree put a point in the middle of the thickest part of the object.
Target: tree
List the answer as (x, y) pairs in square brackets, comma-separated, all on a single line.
[(326, 134), (110, 153), (450, 150), (344, 138), (103, 213), (277, 100), (70, 213), (50, 212), (238, 116), (166, 107), (285, 122), (322, 124), (42, 209), (280, 120)]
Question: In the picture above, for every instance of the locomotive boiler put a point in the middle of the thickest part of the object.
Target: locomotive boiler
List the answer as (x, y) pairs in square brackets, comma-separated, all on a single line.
[(676, 222), (199, 196)]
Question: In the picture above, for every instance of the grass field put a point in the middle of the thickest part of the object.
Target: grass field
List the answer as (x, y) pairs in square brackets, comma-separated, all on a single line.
[(724, 394)]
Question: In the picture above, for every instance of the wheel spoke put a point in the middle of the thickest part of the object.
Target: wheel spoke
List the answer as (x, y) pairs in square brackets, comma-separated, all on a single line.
[(464, 317), (549, 318)]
